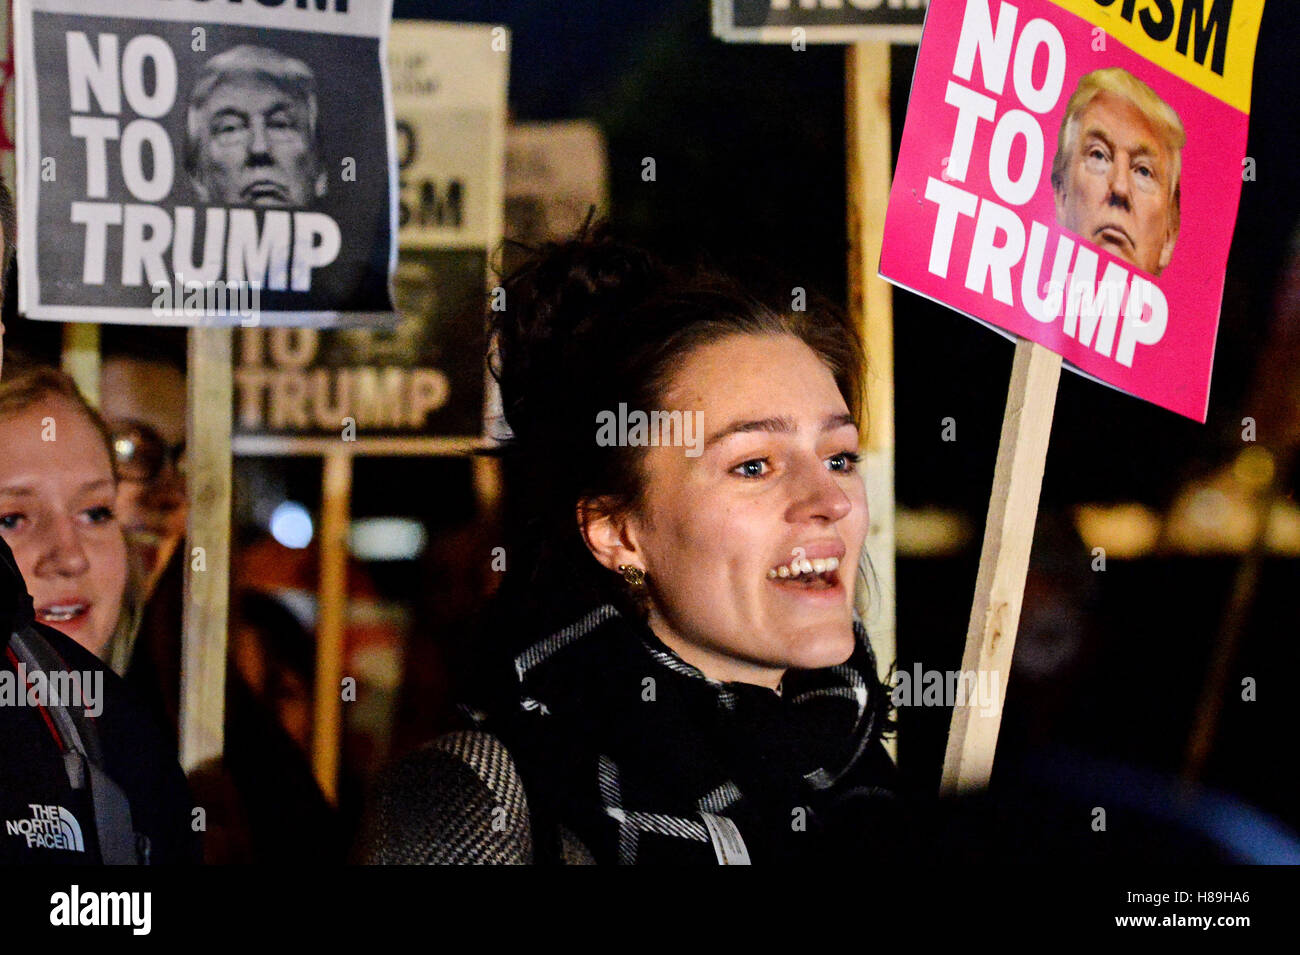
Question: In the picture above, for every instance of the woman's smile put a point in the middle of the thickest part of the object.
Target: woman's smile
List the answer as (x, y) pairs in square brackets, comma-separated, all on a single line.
[(774, 503)]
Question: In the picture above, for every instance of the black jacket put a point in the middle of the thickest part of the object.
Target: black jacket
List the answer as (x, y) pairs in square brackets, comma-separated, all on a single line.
[(644, 759), (43, 819)]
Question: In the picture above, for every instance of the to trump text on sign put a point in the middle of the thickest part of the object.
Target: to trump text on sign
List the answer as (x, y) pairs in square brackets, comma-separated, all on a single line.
[(1070, 172)]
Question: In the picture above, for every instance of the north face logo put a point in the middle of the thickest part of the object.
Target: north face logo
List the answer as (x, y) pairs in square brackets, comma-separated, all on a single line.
[(50, 827)]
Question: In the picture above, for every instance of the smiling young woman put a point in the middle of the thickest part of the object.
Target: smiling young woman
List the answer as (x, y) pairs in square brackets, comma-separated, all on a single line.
[(673, 660), (57, 498)]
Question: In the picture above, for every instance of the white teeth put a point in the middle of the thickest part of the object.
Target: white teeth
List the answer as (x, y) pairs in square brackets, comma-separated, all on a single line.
[(62, 614), (802, 566)]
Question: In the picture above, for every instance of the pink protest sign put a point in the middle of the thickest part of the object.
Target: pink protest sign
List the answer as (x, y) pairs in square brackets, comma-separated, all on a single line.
[(1070, 172)]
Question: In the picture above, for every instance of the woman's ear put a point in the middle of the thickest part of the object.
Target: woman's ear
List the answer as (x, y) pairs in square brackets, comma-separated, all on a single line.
[(608, 534)]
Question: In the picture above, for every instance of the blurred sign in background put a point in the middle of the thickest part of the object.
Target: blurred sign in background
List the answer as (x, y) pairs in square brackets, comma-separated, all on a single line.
[(818, 21)]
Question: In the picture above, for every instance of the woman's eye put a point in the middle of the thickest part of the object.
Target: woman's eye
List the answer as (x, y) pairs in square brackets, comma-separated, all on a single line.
[(100, 515), (845, 462), (751, 469), (9, 522)]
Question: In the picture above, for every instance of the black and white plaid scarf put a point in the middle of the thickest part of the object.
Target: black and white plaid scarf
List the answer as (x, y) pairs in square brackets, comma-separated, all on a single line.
[(638, 753)]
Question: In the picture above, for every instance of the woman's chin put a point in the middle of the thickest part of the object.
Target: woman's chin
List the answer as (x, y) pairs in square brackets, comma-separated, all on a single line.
[(823, 646)]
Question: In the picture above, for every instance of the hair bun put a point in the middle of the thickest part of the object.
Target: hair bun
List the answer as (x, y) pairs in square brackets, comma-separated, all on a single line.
[(562, 308)]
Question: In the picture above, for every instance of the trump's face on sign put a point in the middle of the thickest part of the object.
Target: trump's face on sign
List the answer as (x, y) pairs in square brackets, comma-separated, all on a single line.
[(252, 125), (1116, 176)]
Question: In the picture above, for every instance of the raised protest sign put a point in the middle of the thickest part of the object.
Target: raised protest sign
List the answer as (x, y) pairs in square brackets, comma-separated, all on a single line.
[(187, 163), (818, 21), (1070, 172), (412, 388), (555, 173), (6, 91), (449, 93)]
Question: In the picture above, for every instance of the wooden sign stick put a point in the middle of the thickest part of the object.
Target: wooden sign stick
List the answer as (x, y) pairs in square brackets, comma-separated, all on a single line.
[(207, 535), (870, 166), (1004, 562), (331, 632), (80, 358)]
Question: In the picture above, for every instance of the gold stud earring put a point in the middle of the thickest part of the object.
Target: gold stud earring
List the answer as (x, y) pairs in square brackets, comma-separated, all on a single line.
[(634, 576)]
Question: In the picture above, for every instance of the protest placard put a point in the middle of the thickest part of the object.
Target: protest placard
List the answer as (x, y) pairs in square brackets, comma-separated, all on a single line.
[(818, 21), (555, 173), (411, 388), (187, 163), (7, 90), (1070, 172)]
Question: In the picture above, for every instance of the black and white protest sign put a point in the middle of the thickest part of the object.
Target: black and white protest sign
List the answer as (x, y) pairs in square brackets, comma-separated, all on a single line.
[(184, 162), (818, 21), (412, 388)]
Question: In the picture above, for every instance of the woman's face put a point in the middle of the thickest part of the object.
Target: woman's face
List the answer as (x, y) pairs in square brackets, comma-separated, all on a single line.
[(152, 512), (776, 482), (56, 513)]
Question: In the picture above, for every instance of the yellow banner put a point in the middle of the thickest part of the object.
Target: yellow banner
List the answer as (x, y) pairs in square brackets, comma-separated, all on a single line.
[(1209, 43)]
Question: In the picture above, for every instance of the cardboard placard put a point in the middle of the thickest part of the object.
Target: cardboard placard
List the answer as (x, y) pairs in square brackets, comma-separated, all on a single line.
[(205, 163), (1069, 174), (818, 21), (408, 389)]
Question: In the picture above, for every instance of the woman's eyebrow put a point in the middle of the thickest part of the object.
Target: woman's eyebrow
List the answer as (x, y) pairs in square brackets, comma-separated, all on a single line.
[(93, 485), (777, 425)]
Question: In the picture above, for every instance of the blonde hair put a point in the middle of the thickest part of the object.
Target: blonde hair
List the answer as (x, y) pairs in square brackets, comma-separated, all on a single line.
[(37, 383), (1123, 84)]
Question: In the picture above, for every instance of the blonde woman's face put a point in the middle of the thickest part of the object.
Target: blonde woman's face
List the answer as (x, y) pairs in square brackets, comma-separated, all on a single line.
[(776, 481), (56, 513)]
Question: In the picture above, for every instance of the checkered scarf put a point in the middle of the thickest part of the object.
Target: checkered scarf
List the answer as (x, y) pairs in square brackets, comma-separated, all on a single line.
[(622, 742)]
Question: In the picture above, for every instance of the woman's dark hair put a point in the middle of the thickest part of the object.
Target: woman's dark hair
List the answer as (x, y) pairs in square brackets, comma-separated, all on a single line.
[(593, 322)]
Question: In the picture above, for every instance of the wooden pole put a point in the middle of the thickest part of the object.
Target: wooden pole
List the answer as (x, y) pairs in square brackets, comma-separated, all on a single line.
[(81, 358), (207, 565), (327, 726), (1236, 616), (870, 170), (1004, 562)]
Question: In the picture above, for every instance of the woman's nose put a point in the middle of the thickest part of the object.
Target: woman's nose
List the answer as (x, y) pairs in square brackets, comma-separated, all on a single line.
[(65, 556), (819, 495)]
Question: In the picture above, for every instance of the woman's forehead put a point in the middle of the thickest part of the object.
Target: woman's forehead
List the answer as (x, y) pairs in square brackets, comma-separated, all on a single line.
[(55, 432), (747, 372)]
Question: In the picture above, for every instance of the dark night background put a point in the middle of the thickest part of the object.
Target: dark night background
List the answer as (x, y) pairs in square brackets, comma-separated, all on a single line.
[(749, 147), (749, 143)]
